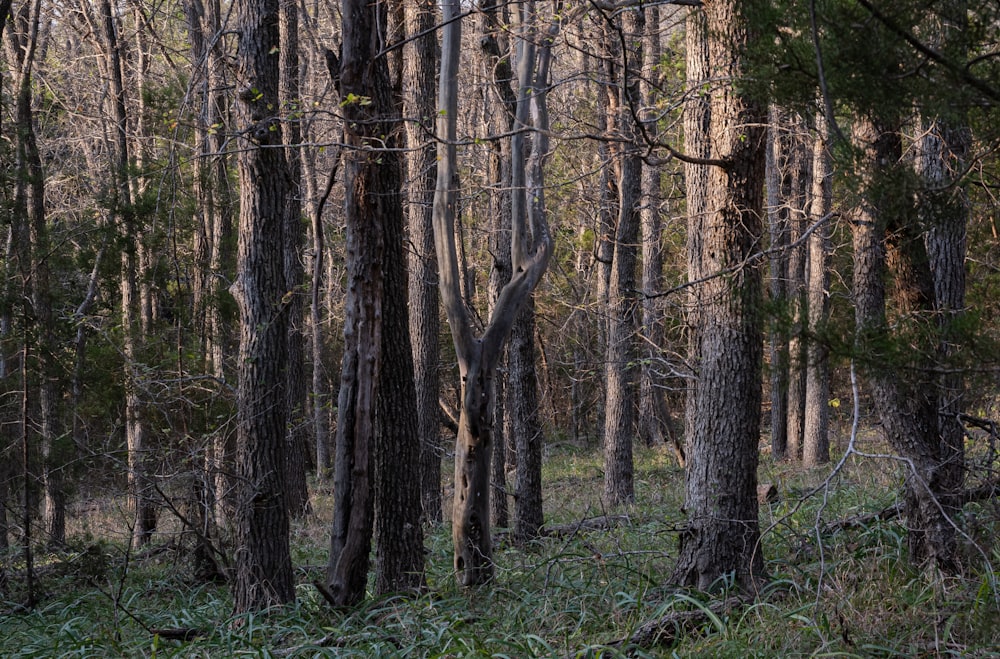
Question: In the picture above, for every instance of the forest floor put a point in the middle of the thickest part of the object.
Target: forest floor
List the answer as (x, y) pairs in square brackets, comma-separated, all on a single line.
[(840, 583)]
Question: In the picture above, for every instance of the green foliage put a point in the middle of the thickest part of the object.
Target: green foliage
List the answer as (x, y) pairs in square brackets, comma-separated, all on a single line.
[(835, 590)]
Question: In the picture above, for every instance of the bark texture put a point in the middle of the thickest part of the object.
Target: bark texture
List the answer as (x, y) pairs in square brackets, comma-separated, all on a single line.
[(420, 63), (722, 536), (886, 240), (263, 569)]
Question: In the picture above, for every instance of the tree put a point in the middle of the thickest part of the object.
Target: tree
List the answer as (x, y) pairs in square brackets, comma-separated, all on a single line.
[(377, 398), (263, 575), (722, 535), (621, 371), (296, 492), (420, 60), (816, 420), (477, 357)]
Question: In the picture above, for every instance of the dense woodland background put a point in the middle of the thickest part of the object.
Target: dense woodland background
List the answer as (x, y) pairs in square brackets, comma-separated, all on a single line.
[(697, 300)]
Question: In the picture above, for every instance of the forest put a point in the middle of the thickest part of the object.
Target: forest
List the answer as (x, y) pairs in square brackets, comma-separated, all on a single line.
[(513, 328)]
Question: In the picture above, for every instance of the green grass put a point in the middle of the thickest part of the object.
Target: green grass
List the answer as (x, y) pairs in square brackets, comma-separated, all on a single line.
[(843, 593)]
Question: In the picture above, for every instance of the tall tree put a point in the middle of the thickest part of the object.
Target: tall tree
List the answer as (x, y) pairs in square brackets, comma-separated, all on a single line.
[(816, 420), (263, 575), (376, 449), (477, 356), (697, 118), (420, 60), (30, 215), (296, 492), (621, 374), (722, 535)]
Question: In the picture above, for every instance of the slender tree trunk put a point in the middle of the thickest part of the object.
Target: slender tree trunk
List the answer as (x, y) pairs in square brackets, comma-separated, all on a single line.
[(297, 439), (816, 424), (135, 422), (622, 373), (420, 62), (777, 222), (722, 536), (263, 574), (531, 249)]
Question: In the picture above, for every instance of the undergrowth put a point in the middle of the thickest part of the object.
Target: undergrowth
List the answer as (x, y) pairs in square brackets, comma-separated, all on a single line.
[(834, 590)]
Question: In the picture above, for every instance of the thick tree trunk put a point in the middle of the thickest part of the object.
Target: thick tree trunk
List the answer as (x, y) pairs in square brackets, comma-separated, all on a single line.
[(907, 407), (378, 398), (816, 424), (263, 575), (399, 537), (722, 536), (420, 64), (697, 118)]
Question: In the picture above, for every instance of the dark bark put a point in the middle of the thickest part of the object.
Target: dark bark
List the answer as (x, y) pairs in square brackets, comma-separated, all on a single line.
[(886, 240), (622, 372), (777, 223), (420, 63), (378, 399), (263, 569), (722, 536), (297, 439), (399, 537)]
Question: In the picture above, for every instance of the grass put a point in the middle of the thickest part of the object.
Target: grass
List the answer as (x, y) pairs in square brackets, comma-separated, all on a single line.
[(841, 593)]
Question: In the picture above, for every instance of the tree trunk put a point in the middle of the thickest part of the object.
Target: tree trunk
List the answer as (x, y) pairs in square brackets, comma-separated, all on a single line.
[(816, 424), (140, 495), (777, 223), (263, 574), (697, 118), (722, 536), (376, 311), (420, 62), (907, 406), (622, 373), (29, 209), (477, 357), (297, 439), (399, 538)]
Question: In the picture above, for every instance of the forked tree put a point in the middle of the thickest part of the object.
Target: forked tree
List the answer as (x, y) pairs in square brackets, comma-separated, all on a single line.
[(478, 356)]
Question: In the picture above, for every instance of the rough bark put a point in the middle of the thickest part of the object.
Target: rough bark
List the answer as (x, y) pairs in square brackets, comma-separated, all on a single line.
[(722, 536), (297, 438), (816, 424), (263, 569), (622, 372), (399, 538), (886, 240), (374, 227), (420, 63), (697, 118), (654, 417)]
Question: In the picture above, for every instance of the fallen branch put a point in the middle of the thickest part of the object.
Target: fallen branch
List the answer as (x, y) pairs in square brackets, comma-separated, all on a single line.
[(666, 629)]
